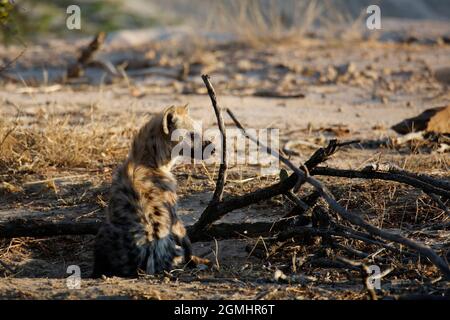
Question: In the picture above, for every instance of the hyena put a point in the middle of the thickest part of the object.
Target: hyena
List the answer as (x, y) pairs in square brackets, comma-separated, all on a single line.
[(142, 231)]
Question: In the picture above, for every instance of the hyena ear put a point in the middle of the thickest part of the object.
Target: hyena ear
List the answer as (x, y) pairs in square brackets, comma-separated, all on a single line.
[(186, 107), (168, 119)]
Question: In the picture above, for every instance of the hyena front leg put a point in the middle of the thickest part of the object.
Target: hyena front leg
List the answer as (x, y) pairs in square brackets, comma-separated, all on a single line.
[(187, 247), (180, 235)]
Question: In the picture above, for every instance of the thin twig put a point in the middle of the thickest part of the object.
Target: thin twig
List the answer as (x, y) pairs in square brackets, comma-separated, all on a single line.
[(365, 274)]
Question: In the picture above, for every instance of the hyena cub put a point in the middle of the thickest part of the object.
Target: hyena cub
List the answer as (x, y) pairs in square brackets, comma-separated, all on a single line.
[(142, 231)]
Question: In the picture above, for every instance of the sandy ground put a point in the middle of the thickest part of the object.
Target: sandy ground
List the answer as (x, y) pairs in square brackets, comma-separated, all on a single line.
[(351, 90)]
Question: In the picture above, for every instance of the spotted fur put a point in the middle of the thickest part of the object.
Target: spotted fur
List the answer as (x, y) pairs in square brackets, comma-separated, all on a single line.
[(142, 230)]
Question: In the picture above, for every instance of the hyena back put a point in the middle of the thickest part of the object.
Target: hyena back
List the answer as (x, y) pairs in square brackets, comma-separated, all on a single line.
[(142, 230)]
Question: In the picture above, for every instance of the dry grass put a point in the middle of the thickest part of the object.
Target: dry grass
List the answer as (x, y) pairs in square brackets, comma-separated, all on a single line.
[(55, 142), (59, 145), (259, 23), (84, 140)]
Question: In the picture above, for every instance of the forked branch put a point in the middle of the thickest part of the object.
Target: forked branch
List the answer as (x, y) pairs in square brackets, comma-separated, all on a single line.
[(349, 216)]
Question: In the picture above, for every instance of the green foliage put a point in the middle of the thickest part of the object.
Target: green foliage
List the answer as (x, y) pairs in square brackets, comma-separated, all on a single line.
[(8, 16), (34, 19), (6, 6)]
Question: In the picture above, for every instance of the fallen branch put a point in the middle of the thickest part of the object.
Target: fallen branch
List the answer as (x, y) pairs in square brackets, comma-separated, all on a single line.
[(75, 70), (219, 209), (338, 231), (349, 216), (439, 183), (401, 177), (40, 228)]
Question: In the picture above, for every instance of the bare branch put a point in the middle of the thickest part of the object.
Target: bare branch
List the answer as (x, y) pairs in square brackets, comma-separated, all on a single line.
[(218, 193), (41, 228), (352, 217), (75, 70), (218, 210), (210, 214), (402, 177)]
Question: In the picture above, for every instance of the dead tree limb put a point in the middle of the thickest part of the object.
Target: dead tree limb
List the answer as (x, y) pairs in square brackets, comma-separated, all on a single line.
[(339, 231), (220, 209), (439, 183), (40, 228), (217, 208), (347, 232), (400, 177), (386, 235), (349, 216), (37, 228), (209, 215), (222, 176), (75, 70)]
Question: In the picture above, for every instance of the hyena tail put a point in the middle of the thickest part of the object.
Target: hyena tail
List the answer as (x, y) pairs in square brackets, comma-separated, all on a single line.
[(160, 255)]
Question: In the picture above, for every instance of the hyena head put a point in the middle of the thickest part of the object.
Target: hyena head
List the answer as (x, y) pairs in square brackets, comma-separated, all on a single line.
[(185, 134), (166, 134)]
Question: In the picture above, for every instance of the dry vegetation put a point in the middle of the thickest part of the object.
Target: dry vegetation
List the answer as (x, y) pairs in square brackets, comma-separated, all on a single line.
[(79, 149), (60, 140)]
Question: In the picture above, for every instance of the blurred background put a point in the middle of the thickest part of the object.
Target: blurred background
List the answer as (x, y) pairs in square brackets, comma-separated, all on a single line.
[(34, 19)]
